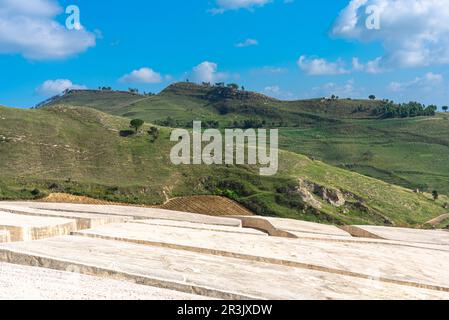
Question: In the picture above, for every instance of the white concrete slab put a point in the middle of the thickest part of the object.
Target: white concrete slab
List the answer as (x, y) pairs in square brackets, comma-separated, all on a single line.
[(198, 226), (438, 237), (393, 263), (4, 236), (135, 212), (31, 283), (83, 220), (27, 228), (306, 227), (221, 277)]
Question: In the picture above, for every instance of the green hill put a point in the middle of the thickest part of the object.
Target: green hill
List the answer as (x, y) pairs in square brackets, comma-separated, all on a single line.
[(184, 102), (81, 151), (410, 152)]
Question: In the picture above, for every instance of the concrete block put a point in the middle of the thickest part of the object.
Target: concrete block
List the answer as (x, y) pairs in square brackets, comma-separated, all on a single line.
[(199, 226), (135, 212), (203, 274), (32, 283), (390, 262), (4, 236), (83, 220), (435, 237), (27, 228)]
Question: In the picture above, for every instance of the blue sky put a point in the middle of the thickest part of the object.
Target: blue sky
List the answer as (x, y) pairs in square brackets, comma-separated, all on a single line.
[(283, 48)]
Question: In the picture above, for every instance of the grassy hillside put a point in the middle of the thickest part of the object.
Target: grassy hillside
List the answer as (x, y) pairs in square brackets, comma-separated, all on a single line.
[(80, 151), (184, 102), (410, 152)]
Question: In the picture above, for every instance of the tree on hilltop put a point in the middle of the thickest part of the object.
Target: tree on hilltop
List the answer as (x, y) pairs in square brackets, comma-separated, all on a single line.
[(233, 86)]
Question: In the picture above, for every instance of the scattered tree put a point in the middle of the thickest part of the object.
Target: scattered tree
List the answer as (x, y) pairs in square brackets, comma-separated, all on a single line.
[(435, 195), (153, 133), (372, 97), (445, 108), (405, 110), (233, 86), (136, 124)]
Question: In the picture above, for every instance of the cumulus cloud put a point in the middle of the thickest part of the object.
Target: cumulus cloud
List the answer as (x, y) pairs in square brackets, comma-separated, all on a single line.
[(276, 92), (319, 67), (272, 90), (426, 83), (207, 72), (29, 28), (142, 75), (373, 66), (55, 87), (247, 43), (414, 32), (345, 90), (224, 5)]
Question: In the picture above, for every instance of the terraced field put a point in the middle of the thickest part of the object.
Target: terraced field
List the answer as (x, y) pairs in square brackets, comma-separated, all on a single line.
[(209, 205)]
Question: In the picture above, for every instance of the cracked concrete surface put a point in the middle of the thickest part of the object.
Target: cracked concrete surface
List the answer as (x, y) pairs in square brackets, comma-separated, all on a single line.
[(160, 254), (32, 283)]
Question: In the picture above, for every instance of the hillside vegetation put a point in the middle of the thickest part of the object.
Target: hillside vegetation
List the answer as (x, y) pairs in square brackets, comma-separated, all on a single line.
[(411, 152), (80, 151)]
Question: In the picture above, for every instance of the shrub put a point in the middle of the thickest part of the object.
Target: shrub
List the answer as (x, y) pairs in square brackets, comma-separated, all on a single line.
[(153, 133)]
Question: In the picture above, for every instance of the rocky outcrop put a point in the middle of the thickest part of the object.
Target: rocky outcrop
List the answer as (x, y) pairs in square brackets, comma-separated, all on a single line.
[(334, 197), (306, 196)]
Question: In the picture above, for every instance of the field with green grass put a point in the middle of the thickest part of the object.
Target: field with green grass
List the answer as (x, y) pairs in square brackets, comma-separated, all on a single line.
[(81, 151), (410, 152)]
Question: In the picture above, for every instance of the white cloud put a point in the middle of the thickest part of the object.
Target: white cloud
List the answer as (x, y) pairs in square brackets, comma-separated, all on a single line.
[(319, 67), (413, 32), (345, 90), (55, 87), (276, 92), (272, 89), (29, 28), (247, 43), (142, 75), (224, 5), (207, 72), (427, 82), (373, 66), (268, 70)]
